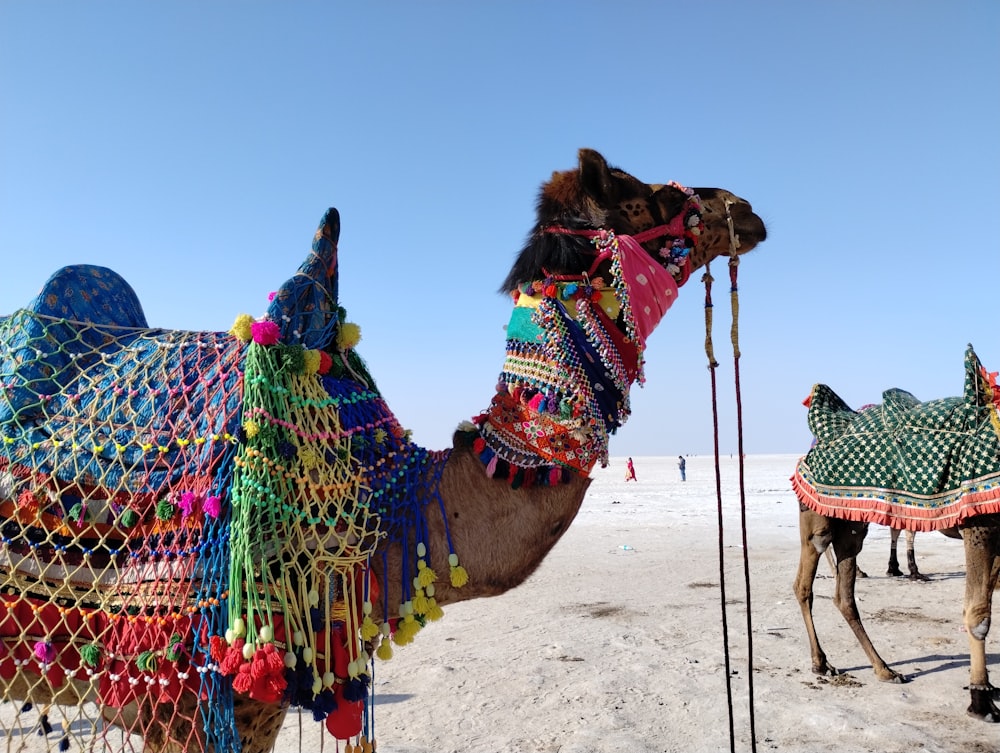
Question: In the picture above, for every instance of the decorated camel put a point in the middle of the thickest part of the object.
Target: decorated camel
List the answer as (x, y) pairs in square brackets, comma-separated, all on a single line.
[(202, 529), (910, 465)]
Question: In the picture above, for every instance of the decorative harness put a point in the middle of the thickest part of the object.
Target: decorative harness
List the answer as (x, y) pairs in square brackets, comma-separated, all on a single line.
[(565, 383)]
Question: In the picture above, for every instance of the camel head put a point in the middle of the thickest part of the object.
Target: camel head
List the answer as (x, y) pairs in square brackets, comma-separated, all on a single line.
[(596, 196)]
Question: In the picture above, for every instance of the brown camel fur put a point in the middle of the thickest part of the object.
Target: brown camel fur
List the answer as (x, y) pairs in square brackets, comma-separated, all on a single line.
[(501, 533)]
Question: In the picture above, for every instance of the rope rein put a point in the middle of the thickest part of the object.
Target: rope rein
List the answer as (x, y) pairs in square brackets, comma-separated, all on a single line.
[(734, 244)]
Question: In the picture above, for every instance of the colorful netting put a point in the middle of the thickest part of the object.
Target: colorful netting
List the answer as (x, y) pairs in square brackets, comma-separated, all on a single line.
[(185, 514), (907, 464)]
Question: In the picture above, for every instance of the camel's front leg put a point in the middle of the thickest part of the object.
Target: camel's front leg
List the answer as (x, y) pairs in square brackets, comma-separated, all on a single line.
[(815, 536), (848, 539), (981, 569)]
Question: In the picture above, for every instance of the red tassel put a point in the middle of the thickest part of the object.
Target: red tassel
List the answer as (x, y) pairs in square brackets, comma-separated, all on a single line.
[(233, 659), (243, 681)]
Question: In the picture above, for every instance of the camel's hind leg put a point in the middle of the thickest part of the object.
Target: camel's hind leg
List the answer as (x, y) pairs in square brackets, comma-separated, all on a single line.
[(982, 566)]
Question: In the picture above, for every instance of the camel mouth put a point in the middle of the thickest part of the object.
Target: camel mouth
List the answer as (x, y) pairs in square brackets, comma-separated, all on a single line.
[(750, 228)]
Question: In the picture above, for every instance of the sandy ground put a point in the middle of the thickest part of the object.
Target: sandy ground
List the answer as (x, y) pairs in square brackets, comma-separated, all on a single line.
[(616, 643)]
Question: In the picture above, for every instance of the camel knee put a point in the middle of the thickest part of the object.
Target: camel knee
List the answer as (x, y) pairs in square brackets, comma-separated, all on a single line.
[(821, 540), (980, 630)]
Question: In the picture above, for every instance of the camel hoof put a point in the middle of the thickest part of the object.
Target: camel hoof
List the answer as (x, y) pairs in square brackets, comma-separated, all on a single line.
[(990, 717), (982, 706), (894, 572), (862, 573), (895, 678), (825, 669), (920, 577)]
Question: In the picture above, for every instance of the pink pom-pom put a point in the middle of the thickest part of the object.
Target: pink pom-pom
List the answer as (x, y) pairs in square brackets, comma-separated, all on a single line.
[(271, 295), (187, 503), (491, 467), (45, 652), (555, 475), (213, 506), (265, 333)]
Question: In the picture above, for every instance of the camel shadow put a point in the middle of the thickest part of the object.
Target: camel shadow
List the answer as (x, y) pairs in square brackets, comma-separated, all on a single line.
[(955, 661), (384, 698)]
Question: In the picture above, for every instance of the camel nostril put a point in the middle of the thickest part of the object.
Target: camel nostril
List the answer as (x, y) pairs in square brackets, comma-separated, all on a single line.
[(557, 528)]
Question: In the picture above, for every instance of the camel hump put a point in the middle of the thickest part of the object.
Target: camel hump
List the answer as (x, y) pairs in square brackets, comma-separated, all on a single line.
[(829, 415), (306, 306), (897, 403), (91, 294)]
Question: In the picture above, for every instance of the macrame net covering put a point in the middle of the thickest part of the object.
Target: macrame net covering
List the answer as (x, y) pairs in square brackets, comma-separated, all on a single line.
[(189, 519)]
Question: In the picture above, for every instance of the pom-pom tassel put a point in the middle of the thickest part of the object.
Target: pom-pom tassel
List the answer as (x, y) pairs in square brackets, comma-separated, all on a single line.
[(368, 628), (420, 602), (384, 650), (425, 576), (434, 611), (459, 577)]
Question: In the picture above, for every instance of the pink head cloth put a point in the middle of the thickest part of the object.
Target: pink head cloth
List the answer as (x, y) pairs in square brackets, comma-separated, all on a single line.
[(651, 288)]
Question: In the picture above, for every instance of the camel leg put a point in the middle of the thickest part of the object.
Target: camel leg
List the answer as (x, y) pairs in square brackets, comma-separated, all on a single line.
[(911, 558), (815, 537), (893, 560), (981, 569), (848, 538)]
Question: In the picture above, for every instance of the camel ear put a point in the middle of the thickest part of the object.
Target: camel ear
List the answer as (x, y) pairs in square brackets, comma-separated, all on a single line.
[(595, 177)]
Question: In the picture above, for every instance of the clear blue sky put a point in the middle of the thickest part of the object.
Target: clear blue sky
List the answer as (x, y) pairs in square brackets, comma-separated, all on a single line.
[(193, 147)]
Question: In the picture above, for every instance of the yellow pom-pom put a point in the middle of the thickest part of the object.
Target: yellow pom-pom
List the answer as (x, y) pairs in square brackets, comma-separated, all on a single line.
[(420, 603), (252, 428), (368, 629), (434, 611), (349, 336), (458, 576), (241, 329), (406, 630), (425, 576), (311, 361), (384, 650)]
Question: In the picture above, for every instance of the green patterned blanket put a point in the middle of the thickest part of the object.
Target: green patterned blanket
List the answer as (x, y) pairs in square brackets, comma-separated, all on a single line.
[(919, 466)]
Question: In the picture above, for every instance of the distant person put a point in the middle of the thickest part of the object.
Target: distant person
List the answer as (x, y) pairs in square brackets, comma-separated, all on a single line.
[(683, 466), (630, 471)]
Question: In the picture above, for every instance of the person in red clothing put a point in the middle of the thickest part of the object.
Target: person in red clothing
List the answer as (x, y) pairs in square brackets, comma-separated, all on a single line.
[(630, 471)]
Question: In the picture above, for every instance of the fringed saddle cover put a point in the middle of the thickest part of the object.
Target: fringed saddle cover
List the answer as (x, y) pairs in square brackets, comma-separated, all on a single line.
[(912, 465), (188, 513)]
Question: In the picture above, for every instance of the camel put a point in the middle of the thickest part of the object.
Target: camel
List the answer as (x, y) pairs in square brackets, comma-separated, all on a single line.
[(915, 466), (332, 542)]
